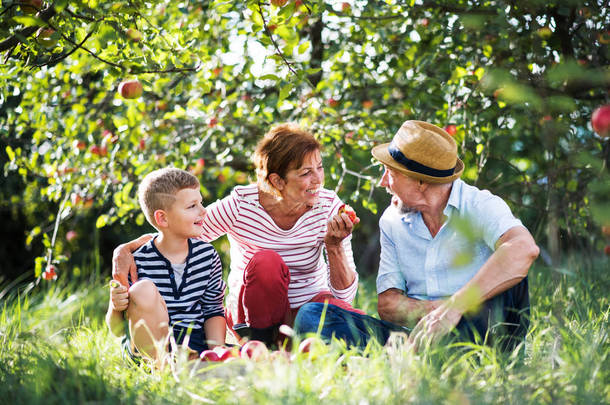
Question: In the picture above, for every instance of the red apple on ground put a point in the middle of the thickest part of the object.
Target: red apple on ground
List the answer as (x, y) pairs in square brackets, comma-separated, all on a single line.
[(600, 121), (451, 129), (209, 355), (224, 353), (31, 6), (309, 344), (254, 350), (46, 37), (130, 89), (349, 211)]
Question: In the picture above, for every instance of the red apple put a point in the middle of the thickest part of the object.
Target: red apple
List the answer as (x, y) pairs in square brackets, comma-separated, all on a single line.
[(80, 145), (368, 104), (31, 6), (216, 71), (332, 102), (279, 3), (451, 129), (49, 273), (209, 355), (271, 27), (606, 230), (424, 22), (607, 250), (46, 37), (212, 122), (309, 344), (600, 121), (161, 105), (71, 235), (130, 89), (133, 34), (224, 353), (349, 211), (254, 350), (345, 7)]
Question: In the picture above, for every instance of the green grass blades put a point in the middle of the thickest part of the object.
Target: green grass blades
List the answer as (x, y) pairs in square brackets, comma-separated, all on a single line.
[(55, 348)]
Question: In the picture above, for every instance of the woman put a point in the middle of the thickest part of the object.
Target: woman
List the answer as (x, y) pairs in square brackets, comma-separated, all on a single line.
[(278, 230)]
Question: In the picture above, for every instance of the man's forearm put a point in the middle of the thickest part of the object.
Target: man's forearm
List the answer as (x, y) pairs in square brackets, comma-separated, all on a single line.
[(507, 266), (393, 306)]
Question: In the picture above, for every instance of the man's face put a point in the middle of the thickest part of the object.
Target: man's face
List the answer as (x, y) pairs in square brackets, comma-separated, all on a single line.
[(404, 190)]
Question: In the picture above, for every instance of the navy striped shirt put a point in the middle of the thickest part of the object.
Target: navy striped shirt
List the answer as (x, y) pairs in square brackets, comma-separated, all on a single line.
[(200, 294)]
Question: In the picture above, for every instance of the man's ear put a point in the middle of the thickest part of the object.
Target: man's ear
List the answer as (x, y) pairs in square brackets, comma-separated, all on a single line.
[(276, 181), (160, 218), (423, 186)]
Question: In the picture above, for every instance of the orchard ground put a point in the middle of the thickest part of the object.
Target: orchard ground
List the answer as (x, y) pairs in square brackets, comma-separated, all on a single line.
[(55, 348)]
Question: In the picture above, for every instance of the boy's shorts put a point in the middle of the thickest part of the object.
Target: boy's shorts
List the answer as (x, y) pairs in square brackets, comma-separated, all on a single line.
[(196, 342)]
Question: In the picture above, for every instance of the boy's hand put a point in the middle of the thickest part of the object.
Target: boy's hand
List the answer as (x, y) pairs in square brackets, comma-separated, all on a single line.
[(119, 296)]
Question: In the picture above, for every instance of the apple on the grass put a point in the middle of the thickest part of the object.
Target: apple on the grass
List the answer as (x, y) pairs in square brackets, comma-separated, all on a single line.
[(600, 121), (224, 353), (310, 344), (130, 89), (254, 350), (209, 355)]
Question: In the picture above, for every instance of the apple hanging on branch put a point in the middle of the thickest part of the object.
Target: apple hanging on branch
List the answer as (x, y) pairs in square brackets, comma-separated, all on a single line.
[(130, 89), (600, 121)]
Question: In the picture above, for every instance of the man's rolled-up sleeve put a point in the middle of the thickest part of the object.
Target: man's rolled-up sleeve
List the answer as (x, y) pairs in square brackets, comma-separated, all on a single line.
[(390, 275)]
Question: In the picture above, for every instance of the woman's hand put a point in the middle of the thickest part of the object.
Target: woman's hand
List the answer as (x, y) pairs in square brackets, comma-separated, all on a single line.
[(119, 296), (123, 263), (339, 227)]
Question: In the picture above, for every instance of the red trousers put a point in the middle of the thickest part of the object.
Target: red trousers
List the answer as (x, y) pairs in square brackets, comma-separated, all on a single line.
[(263, 298)]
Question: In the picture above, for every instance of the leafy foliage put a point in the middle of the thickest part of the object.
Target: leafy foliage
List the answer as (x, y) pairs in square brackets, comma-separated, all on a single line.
[(519, 82)]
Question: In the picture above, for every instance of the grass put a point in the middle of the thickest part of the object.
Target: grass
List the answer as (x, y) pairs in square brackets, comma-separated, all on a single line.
[(55, 348)]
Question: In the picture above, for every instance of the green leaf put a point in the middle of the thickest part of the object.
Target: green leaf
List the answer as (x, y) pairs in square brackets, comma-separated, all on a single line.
[(101, 221)]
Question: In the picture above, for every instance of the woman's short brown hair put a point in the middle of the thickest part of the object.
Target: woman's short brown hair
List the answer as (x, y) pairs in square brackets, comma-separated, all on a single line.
[(283, 148)]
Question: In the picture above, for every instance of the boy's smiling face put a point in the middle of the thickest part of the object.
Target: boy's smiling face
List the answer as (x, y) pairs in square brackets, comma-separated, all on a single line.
[(185, 216)]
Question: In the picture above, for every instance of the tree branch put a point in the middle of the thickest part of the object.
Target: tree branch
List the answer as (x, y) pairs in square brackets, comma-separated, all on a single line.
[(45, 15), (270, 35)]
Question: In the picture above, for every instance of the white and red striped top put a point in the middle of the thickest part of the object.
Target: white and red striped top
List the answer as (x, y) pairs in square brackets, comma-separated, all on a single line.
[(249, 229)]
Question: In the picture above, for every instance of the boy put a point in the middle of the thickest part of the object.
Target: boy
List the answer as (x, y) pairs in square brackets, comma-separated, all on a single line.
[(179, 276)]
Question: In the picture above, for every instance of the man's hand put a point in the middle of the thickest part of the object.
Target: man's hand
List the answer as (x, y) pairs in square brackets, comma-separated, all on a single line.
[(434, 325), (119, 296), (122, 265)]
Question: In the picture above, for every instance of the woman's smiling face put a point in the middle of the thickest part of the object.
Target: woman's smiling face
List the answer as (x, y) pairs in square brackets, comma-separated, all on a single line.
[(302, 185)]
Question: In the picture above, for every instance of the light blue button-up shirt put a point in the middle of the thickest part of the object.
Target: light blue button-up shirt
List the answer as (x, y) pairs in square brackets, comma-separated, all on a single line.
[(430, 268)]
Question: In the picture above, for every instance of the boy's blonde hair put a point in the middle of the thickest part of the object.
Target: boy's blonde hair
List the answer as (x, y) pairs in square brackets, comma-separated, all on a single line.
[(158, 189)]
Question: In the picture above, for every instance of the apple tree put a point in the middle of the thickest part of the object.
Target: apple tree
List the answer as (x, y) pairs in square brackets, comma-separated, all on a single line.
[(515, 84)]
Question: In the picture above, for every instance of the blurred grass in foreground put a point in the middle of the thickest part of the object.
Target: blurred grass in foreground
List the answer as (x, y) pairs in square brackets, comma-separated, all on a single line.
[(55, 348)]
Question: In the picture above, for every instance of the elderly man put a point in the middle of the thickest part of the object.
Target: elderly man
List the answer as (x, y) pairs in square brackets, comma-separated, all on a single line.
[(454, 260)]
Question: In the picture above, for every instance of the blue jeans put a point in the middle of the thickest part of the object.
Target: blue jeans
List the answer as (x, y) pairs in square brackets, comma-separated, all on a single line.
[(504, 319)]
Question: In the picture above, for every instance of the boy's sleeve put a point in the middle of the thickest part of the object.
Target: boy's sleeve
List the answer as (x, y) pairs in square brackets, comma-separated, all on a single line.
[(215, 291)]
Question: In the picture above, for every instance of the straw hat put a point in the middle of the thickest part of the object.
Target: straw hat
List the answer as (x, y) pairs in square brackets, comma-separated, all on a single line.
[(422, 151)]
